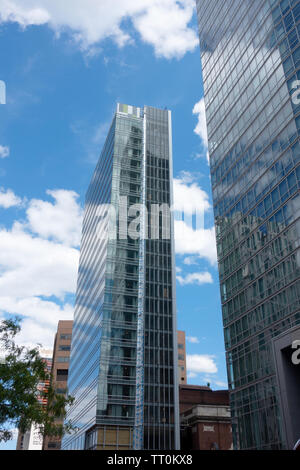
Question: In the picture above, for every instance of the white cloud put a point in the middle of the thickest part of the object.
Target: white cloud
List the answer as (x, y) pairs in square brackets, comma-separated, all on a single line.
[(201, 129), (201, 363), (191, 375), (4, 151), (220, 383), (31, 266), (215, 381), (195, 278), (192, 339), (60, 221), (190, 260), (38, 266), (201, 242), (9, 199), (191, 238), (40, 318), (189, 197), (164, 24), (187, 177)]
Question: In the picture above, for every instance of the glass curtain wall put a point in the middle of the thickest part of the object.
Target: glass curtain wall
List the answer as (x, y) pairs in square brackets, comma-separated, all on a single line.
[(123, 373), (160, 318), (250, 54)]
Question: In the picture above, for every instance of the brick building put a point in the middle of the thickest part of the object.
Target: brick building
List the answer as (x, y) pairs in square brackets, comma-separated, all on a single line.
[(60, 368), (181, 357), (205, 418)]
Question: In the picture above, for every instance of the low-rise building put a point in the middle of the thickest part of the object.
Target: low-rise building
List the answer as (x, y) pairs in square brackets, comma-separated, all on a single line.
[(205, 418)]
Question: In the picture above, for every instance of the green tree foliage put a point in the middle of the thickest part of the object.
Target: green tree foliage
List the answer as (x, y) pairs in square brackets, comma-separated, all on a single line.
[(21, 371)]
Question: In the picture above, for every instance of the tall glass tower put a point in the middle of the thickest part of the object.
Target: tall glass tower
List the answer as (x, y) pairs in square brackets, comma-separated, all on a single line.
[(123, 366), (250, 53)]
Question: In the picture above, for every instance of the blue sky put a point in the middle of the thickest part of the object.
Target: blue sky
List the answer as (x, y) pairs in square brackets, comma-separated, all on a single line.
[(65, 68)]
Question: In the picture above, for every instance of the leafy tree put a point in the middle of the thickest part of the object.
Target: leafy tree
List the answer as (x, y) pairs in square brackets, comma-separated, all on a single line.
[(21, 371)]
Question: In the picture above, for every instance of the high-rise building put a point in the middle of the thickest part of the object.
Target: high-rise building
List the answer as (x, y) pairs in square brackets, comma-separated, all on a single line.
[(181, 357), (33, 439), (250, 53), (59, 372), (123, 365)]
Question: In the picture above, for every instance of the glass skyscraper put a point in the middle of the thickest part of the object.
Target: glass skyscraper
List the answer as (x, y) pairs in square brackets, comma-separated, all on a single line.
[(123, 366), (250, 53)]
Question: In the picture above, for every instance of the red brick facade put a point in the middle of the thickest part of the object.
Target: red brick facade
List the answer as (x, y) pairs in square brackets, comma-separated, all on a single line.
[(205, 418), (60, 367)]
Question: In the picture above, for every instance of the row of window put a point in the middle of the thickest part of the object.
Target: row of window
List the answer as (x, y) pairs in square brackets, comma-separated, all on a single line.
[(262, 96), (64, 347), (63, 359), (263, 316), (269, 43), (256, 181), (261, 431), (277, 306), (276, 35), (266, 232), (228, 74), (289, 65), (275, 279), (226, 49), (260, 134), (272, 251), (252, 226), (129, 126)]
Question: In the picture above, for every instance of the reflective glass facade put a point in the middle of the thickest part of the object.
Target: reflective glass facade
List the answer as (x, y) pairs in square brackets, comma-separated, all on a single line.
[(123, 367), (250, 53)]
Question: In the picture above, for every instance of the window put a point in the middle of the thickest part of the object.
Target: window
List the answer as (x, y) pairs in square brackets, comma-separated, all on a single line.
[(63, 359), (180, 357), (64, 348), (180, 346), (62, 375), (52, 445), (65, 336)]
